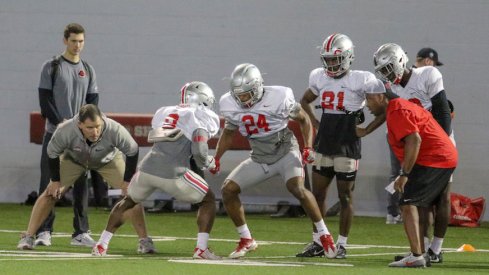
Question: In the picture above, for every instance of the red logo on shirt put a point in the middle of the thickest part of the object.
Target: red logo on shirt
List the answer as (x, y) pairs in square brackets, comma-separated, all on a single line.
[(81, 73)]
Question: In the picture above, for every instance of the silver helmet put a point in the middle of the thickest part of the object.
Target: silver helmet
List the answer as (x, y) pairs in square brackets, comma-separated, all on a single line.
[(390, 62), (337, 54), (197, 93), (246, 79)]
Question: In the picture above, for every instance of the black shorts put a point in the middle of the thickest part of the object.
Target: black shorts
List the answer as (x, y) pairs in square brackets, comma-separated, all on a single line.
[(337, 136), (425, 185)]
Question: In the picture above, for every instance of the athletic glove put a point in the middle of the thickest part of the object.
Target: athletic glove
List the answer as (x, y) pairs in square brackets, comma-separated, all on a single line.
[(216, 166), (308, 155)]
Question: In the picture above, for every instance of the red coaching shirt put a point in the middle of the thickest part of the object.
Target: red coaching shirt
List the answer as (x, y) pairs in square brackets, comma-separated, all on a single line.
[(405, 118)]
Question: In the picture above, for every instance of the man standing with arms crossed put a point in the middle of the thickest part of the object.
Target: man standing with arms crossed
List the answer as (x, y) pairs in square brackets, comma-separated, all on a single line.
[(66, 83)]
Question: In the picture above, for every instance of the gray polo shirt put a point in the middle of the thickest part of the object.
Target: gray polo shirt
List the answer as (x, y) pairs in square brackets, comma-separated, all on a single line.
[(71, 86), (68, 139)]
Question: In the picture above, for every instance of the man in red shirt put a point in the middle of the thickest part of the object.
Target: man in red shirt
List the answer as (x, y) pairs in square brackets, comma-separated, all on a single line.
[(427, 157)]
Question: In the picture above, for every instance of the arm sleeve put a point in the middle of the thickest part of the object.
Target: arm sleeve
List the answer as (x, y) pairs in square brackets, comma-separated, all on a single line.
[(54, 169), (92, 99), (131, 165), (200, 149), (48, 106), (441, 111)]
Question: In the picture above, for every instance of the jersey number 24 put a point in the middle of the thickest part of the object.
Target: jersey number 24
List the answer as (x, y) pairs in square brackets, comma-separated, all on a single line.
[(253, 127)]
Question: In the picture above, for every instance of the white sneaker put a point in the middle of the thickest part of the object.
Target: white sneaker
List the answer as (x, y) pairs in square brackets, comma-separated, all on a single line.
[(26, 242), (244, 246), (99, 250), (393, 219), (43, 238), (146, 246), (410, 261), (83, 239), (330, 249), (205, 254)]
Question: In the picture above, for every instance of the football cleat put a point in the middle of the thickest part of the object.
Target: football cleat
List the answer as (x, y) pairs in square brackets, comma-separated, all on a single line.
[(329, 246), (341, 252), (205, 254), (244, 246), (410, 261), (83, 239), (425, 256), (146, 246), (393, 219), (43, 238), (26, 242), (435, 258), (313, 249), (99, 250)]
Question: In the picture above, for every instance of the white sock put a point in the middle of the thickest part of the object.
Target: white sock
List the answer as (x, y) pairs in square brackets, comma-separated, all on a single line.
[(321, 228), (342, 240), (202, 240), (427, 242), (244, 232), (315, 237), (436, 245), (105, 238)]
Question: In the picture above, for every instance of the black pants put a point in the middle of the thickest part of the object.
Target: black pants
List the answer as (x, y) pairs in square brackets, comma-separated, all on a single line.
[(80, 195)]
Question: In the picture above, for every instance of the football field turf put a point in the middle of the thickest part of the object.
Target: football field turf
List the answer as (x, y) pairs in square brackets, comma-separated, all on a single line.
[(372, 245)]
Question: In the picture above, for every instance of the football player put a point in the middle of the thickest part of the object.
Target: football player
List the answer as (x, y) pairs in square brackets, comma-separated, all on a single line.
[(341, 92), (422, 86), (261, 113), (178, 133)]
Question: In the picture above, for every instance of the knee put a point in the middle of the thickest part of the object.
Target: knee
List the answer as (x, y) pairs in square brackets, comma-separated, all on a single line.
[(229, 189), (345, 198)]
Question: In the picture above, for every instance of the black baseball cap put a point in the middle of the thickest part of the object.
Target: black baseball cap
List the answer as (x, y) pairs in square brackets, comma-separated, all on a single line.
[(429, 53)]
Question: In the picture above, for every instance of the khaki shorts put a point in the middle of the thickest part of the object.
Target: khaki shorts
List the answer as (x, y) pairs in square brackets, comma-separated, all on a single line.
[(112, 172), (340, 164)]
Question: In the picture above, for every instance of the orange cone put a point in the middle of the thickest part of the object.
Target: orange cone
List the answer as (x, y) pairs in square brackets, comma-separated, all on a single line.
[(466, 248)]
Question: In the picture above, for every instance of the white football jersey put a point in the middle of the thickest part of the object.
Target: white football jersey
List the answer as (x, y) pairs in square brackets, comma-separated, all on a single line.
[(346, 93), (425, 82), (268, 116), (187, 118)]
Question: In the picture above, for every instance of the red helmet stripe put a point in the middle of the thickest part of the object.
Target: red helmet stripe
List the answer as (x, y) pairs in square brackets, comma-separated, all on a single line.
[(183, 93), (330, 41)]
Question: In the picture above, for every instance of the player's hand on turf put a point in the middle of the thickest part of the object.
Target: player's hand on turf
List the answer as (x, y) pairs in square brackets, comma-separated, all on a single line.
[(217, 166), (308, 155)]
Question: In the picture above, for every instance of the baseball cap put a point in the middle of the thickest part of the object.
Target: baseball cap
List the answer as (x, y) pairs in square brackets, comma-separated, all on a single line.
[(429, 53)]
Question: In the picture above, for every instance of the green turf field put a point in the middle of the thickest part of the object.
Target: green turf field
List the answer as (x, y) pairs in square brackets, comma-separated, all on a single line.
[(372, 245)]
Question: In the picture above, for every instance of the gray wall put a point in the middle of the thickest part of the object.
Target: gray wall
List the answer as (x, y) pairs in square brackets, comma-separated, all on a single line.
[(143, 51)]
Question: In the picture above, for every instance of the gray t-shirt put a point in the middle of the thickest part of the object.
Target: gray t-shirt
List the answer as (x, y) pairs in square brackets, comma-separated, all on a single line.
[(71, 85)]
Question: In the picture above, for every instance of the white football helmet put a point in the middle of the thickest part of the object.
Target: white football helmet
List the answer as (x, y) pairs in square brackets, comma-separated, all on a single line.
[(246, 79), (337, 54), (390, 62), (197, 93)]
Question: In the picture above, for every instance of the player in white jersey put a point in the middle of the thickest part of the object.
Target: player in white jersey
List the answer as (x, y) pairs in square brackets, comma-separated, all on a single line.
[(261, 113), (178, 133), (422, 86), (342, 95)]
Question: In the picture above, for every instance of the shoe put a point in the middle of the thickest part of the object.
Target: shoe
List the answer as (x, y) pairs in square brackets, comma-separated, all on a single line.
[(244, 246), (26, 242), (43, 238), (425, 255), (393, 219), (99, 250), (205, 254), (341, 252), (312, 250), (146, 246), (435, 258), (409, 261), (83, 239), (329, 246)]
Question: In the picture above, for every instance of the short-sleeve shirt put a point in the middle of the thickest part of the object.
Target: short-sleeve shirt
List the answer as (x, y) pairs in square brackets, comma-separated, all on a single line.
[(71, 86), (424, 83), (405, 118)]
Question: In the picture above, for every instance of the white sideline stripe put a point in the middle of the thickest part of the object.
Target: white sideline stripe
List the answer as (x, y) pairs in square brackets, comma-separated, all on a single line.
[(254, 263), (170, 238)]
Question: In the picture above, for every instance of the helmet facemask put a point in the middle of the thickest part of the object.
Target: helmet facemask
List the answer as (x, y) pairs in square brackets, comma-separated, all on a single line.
[(246, 85), (337, 54), (390, 62)]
